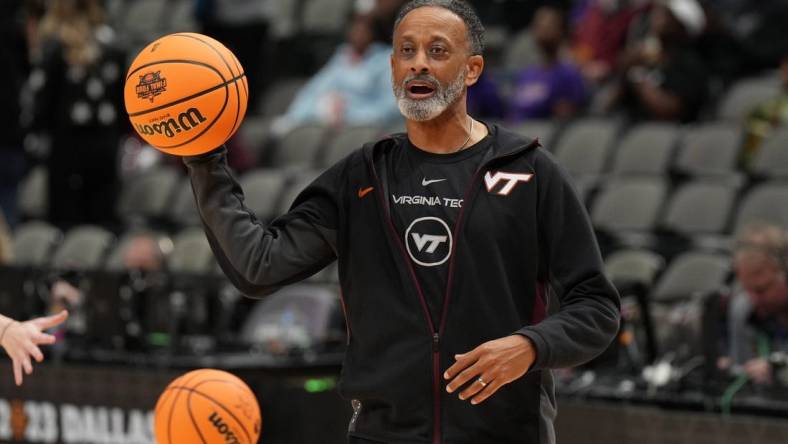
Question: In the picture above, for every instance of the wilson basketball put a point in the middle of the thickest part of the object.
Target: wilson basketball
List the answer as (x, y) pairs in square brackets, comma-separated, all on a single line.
[(186, 94), (207, 406)]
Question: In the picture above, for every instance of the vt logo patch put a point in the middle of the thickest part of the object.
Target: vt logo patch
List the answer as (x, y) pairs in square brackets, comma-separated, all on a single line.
[(509, 180), (428, 241)]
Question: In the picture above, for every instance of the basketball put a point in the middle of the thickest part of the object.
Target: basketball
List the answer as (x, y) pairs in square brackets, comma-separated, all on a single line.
[(207, 406), (185, 94)]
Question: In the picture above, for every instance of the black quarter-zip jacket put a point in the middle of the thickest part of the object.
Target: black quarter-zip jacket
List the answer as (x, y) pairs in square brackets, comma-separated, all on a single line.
[(513, 245)]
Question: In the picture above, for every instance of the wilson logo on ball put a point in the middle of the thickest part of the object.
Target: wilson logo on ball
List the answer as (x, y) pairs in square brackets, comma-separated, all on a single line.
[(151, 85), (186, 121), (223, 429)]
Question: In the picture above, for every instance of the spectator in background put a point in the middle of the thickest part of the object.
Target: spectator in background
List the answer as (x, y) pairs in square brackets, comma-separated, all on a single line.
[(601, 35), (555, 88), (13, 51), (758, 316), (662, 75), (383, 12), (484, 99), (353, 88), (143, 254), (768, 115), (74, 111)]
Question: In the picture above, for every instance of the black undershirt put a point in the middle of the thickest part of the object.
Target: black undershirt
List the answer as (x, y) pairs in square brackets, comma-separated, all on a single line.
[(425, 193)]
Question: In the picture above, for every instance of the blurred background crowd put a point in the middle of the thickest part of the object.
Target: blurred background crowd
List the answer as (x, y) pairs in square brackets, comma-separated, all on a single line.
[(669, 114)]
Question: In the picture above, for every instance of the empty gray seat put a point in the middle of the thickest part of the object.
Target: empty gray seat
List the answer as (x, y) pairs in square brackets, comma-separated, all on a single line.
[(646, 149), (710, 149), (325, 16), (692, 274), (348, 140), (83, 248), (542, 129), (298, 184), (628, 205), (300, 147), (33, 243), (183, 210), (771, 160), (700, 208), (279, 95), (633, 267), (585, 146), (262, 191), (745, 95), (148, 195), (33, 195), (521, 52), (767, 202), (191, 252)]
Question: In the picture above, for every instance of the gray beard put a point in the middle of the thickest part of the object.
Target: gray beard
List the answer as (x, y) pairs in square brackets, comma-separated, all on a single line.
[(422, 110)]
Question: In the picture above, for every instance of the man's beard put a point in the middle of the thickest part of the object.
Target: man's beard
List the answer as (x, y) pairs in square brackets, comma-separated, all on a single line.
[(422, 110)]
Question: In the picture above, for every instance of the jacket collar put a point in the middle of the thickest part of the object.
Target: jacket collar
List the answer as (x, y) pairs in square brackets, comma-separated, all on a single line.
[(505, 143)]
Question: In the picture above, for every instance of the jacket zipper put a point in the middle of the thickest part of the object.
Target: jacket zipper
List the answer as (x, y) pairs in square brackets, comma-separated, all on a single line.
[(436, 334)]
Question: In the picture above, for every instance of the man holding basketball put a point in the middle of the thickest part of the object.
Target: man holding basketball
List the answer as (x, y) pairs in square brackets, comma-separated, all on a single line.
[(449, 239)]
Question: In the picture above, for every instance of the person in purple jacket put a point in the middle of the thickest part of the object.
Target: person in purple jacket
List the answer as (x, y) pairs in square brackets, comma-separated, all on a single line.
[(554, 88)]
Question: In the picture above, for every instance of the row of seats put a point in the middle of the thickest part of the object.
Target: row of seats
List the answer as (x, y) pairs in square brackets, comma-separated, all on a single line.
[(39, 245), (587, 148)]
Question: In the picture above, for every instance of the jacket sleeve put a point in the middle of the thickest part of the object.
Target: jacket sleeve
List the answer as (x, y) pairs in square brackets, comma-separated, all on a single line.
[(260, 259), (588, 318)]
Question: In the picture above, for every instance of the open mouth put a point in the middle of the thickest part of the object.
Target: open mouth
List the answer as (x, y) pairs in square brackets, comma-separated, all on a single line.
[(420, 90)]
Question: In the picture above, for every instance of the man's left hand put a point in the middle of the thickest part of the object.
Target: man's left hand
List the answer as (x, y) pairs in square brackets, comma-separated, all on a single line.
[(490, 366)]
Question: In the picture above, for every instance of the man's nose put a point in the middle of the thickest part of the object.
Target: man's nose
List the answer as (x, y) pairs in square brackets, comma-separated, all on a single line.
[(420, 64)]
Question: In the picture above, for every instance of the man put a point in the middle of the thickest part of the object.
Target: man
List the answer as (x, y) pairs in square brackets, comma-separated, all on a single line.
[(448, 240), (758, 317)]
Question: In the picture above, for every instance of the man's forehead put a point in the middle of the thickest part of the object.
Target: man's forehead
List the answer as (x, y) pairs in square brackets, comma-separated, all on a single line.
[(436, 22)]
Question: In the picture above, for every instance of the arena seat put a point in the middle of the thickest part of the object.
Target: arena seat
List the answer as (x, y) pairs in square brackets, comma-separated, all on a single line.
[(710, 149), (83, 248), (766, 202), (262, 191), (771, 159), (33, 243), (646, 150)]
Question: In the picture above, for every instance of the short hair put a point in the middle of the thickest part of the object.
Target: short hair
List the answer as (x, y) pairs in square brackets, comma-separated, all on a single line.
[(474, 30), (763, 238)]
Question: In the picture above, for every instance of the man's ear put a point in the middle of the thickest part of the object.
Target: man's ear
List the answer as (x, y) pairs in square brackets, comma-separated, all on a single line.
[(475, 67)]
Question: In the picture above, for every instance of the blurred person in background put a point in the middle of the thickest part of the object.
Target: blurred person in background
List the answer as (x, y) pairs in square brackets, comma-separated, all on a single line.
[(353, 88), (662, 76), (601, 35), (758, 315), (21, 340), (768, 115), (554, 88), (73, 110), (13, 51)]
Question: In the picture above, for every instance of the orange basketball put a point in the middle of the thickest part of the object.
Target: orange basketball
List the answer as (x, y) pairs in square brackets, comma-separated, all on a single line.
[(186, 94), (207, 406)]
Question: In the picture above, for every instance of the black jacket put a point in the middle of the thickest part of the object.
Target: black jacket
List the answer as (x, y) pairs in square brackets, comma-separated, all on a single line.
[(509, 250)]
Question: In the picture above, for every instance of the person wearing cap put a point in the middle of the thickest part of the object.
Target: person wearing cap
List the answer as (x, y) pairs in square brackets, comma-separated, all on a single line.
[(662, 76)]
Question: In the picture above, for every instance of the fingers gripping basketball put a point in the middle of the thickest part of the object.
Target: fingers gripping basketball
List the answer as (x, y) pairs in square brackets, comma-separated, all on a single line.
[(186, 94)]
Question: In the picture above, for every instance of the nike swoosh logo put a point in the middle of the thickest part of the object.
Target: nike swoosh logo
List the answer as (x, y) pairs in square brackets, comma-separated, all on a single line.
[(364, 192), (425, 182)]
